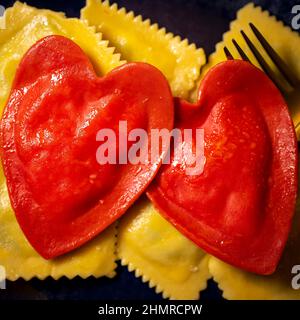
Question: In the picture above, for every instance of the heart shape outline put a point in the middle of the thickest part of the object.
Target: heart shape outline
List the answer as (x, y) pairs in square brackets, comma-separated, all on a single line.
[(243, 220), (53, 82)]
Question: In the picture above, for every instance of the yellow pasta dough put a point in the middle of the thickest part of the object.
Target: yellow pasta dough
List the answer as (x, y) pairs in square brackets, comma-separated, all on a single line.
[(284, 41), (24, 26), (235, 283), (157, 252), (147, 243), (138, 40)]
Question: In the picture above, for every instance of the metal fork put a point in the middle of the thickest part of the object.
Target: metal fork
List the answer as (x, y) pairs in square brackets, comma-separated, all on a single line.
[(289, 85)]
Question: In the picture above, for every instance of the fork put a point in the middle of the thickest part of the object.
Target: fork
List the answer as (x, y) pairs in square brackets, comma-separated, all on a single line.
[(289, 84)]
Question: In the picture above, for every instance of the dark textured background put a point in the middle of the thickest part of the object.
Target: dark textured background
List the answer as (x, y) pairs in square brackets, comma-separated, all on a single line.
[(202, 22)]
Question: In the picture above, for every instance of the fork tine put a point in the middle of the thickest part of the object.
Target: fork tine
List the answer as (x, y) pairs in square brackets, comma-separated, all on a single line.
[(262, 62), (240, 51), (281, 65), (228, 54)]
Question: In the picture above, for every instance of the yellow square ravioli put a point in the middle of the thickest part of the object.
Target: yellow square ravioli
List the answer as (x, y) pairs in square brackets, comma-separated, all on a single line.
[(147, 243), (161, 255), (138, 40), (284, 41), (235, 283), (24, 26)]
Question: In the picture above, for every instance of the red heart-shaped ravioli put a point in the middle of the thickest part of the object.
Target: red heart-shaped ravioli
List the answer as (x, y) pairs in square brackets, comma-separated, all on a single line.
[(61, 196), (240, 208)]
